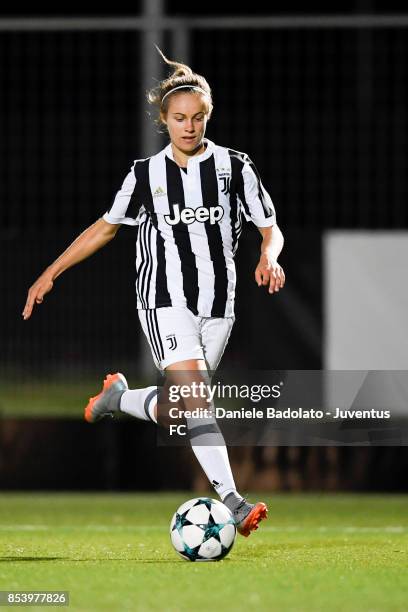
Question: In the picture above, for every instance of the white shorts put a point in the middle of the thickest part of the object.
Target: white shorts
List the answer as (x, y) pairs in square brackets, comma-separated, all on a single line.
[(176, 334)]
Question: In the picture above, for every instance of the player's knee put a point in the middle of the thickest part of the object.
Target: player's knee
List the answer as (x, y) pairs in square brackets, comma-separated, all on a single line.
[(184, 391)]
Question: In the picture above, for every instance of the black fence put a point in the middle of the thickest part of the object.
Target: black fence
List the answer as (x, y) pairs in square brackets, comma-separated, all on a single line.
[(322, 113)]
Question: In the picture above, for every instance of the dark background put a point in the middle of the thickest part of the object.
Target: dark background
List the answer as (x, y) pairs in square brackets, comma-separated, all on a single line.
[(322, 112)]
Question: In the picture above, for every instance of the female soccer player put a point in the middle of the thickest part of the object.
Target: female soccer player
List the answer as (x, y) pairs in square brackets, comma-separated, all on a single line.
[(187, 201)]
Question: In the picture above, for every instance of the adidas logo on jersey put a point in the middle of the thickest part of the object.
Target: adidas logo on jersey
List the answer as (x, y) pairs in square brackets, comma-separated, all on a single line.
[(159, 192), (213, 214)]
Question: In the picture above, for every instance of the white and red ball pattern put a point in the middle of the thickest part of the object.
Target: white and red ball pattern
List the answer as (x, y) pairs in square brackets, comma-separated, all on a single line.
[(202, 529)]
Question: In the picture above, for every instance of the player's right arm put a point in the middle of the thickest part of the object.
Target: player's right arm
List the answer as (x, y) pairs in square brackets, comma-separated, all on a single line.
[(87, 243)]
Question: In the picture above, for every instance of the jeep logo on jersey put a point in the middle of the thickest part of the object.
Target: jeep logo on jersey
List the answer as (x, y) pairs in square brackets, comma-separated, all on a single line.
[(188, 215)]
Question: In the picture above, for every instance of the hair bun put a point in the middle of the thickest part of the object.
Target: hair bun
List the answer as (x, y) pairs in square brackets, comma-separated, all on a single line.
[(182, 75)]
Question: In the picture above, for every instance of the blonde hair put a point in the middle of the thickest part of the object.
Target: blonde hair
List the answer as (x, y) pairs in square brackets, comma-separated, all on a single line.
[(182, 76)]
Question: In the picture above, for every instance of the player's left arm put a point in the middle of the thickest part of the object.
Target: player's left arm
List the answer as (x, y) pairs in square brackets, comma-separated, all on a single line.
[(258, 208), (269, 271)]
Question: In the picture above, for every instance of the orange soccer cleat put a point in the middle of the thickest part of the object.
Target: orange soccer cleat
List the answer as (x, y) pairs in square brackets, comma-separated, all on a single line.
[(108, 400), (250, 522)]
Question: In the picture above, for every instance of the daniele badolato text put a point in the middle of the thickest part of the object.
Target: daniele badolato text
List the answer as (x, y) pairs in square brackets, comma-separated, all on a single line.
[(210, 394), (278, 414)]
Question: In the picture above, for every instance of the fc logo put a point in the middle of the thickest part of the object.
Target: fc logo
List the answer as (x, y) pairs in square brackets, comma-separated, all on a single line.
[(172, 342), (226, 184)]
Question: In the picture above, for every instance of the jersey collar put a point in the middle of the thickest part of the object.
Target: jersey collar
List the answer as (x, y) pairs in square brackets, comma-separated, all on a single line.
[(195, 158)]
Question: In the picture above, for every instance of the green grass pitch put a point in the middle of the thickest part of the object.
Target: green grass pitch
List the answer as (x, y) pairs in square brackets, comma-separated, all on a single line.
[(112, 552)]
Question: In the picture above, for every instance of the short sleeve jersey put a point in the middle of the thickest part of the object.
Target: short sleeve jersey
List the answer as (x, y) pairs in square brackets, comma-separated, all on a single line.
[(188, 225)]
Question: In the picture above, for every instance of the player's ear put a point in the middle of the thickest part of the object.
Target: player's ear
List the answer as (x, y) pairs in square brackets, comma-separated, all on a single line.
[(163, 118)]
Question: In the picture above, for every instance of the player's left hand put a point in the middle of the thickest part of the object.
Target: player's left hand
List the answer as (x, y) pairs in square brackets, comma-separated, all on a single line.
[(269, 272)]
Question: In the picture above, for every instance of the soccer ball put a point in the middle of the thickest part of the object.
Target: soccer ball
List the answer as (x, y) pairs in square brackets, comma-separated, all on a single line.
[(202, 529)]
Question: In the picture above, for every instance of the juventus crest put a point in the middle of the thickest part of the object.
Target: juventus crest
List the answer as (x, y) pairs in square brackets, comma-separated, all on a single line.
[(172, 342), (226, 184)]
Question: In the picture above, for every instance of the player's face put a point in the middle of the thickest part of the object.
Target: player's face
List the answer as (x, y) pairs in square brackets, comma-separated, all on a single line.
[(186, 120)]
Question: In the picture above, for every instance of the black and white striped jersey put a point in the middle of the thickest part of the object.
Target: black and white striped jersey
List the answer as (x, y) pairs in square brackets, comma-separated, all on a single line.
[(189, 222)]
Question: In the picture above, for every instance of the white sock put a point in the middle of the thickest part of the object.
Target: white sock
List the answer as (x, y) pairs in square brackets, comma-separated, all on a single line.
[(140, 403), (215, 463), (213, 459)]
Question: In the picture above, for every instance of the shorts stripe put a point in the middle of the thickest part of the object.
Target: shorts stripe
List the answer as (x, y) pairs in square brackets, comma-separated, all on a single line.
[(154, 334), (158, 333), (151, 336)]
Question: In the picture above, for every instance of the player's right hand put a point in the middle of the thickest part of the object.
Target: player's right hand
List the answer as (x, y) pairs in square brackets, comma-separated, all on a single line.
[(36, 293)]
